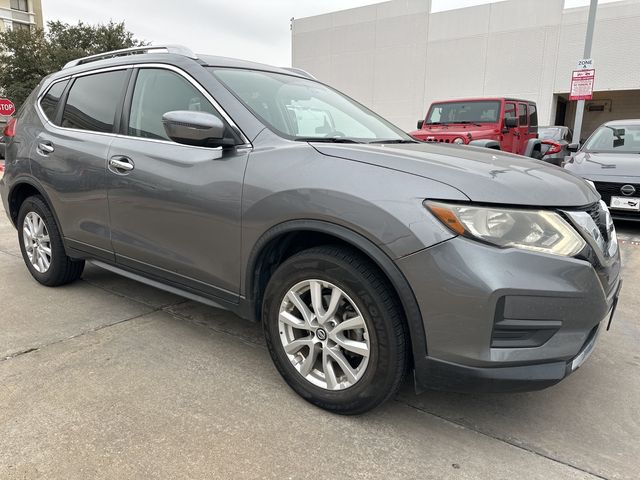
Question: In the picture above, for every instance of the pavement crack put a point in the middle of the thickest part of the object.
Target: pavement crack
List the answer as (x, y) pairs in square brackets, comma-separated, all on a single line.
[(505, 441), (77, 335)]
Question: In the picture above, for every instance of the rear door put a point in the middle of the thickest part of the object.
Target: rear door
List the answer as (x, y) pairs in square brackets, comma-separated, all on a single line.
[(175, 213), (509, 135), (523, 127), (70, 154)]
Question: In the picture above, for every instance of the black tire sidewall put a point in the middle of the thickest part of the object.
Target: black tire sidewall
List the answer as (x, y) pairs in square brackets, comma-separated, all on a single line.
[(381, 374)]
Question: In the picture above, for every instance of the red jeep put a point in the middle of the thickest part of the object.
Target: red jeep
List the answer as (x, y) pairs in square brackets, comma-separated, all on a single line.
[(501, 123)]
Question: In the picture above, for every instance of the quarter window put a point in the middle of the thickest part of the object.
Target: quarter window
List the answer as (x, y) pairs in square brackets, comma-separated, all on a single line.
[(21, 5), (533, 116), (158, 91), (93, 100), (51, 99), (522, 114)]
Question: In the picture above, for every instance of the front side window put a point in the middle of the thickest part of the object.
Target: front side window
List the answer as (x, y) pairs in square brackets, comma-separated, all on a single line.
[(509, 110), (158, 91), (614, 139), (302, 109), (93, 100), (464, 112), (21, 5), (51, 99)]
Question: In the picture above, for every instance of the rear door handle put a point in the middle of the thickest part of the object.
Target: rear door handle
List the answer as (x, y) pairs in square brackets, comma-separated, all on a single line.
[(121, 165), (45, 148)]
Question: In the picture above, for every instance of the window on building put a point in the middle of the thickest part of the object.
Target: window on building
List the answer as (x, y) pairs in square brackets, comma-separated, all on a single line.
[(21, 5), (522, 115), (157, 92), (93, 100), (21, 26), (50, 101)]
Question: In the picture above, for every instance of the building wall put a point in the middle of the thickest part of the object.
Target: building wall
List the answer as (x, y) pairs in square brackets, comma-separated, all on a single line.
[(397, 57), (32, 17)]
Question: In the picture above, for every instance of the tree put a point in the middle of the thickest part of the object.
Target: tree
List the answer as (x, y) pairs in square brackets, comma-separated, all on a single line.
[(28, 56)]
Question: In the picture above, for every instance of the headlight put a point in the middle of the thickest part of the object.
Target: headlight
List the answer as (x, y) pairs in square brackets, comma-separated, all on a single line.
[(537, 230), (458, 141)]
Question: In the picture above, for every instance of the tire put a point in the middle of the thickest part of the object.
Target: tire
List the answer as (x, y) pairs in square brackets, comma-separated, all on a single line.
[(60, 269), (375, 372), (537, 155)]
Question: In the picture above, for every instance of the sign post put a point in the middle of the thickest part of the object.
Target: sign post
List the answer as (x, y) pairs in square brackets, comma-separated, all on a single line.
[(7, 107), (587, 64)]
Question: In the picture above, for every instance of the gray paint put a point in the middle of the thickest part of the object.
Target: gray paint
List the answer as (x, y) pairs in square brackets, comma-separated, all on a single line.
[(192, 218)]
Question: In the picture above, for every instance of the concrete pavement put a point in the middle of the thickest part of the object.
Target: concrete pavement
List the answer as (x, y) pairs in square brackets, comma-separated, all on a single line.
[(107, 378)]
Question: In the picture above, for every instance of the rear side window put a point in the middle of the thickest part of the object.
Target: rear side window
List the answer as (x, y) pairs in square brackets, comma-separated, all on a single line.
[(158, 91), (51, 99), (92, 101), (522, 114), (533, 115)]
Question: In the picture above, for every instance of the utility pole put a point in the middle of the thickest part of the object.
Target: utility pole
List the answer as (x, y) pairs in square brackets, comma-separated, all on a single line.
[(588, 41)]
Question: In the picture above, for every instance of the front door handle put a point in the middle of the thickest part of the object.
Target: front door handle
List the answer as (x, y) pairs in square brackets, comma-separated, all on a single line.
[(45, 148), (121, 165)]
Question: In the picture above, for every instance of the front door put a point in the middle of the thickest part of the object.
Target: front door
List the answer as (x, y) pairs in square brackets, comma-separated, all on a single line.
[(175, 209)]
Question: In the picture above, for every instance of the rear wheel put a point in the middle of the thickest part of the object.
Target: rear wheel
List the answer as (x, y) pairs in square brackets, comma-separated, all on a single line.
[(335, 330), (41, 245)]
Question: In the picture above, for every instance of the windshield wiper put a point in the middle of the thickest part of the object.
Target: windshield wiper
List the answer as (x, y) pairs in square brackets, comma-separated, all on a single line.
[(327, 139), (436, 123), (470, 123), (399, 140)]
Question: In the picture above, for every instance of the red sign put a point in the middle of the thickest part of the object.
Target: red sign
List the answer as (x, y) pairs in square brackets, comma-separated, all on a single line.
[(582, 84), (7, 107)]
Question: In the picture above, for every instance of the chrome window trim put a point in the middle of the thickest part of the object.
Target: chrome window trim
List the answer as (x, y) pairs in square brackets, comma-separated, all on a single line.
[(179, 71)]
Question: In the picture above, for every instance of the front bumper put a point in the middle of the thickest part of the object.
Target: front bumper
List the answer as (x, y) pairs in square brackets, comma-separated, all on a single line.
[(471, 294)]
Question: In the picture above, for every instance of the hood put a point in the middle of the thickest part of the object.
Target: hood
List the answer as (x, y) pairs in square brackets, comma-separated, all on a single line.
[(458, 130), (600, 166), (483, 175)]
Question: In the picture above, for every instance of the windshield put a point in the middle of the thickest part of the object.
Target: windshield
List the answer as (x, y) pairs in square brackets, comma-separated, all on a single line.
[(301, 109), (464, 112), (550, 133), (618, 139)]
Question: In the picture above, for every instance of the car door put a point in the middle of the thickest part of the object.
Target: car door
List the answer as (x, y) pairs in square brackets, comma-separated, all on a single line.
[(174, 208), (69, 156), (509, 135)]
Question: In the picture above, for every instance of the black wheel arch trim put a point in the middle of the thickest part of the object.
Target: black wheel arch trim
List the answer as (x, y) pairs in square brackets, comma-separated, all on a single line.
[(369, 248), (17, 182)]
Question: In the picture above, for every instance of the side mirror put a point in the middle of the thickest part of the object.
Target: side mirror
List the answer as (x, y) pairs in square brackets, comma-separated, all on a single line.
[(510, 122), (573, 147), (194, 128), (420, 124)]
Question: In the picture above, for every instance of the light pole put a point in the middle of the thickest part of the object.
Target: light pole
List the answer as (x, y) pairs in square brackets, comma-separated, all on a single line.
[(588, 41)]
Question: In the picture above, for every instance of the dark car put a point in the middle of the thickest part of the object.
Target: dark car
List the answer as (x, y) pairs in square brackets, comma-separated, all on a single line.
[(555, 141), (365, 254), (610, 158), (2, 147)]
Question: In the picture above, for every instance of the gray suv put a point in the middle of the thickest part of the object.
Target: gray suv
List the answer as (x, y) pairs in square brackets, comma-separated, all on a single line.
[(364, 254)]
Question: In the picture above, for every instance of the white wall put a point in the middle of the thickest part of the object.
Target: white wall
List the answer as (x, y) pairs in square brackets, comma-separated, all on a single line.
[(397, 57)]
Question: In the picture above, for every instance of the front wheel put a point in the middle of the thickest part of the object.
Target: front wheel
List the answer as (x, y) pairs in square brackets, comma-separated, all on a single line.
[(335, 330)]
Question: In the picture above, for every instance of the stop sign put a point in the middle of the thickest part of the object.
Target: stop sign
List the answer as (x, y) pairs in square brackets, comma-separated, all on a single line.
[(7, 107)]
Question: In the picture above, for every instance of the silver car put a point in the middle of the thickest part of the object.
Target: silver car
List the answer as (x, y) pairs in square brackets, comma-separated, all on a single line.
[(365, 255)]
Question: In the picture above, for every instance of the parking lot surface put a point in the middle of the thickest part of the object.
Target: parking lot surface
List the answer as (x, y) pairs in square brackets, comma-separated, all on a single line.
[(108, 378)]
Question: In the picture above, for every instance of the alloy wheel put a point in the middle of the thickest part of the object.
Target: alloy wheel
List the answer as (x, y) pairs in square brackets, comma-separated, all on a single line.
[(324, 335), (37, 242)]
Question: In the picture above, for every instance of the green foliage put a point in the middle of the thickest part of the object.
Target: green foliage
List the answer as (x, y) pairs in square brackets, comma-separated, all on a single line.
[(28, 56)]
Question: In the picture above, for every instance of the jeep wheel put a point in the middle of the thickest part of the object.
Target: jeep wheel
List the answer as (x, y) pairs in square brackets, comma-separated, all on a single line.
[(335, 330)]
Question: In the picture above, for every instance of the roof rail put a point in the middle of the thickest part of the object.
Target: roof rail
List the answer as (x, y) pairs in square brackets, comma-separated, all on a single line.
[(177, 49), (300, 71)]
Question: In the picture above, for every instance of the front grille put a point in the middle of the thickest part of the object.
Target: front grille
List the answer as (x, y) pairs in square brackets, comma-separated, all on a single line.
[(597, 213), (609, 189)]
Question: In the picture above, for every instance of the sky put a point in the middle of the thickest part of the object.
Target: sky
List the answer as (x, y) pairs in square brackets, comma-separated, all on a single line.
[(257, 30)]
